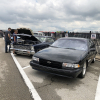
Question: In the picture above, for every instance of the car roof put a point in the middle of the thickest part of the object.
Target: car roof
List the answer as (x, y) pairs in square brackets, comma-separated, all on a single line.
[(85, 39), (44, 36), (38, 32)]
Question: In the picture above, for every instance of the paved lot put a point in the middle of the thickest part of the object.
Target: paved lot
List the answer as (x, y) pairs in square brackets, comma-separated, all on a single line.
[(12, 86), (51, 87)]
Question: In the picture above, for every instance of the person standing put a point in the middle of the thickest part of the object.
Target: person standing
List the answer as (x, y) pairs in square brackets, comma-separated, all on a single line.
[(1, 33), (15, 36), (7, 39)]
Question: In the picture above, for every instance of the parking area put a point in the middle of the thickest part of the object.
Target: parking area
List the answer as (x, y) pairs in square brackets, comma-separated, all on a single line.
[(51, 87)]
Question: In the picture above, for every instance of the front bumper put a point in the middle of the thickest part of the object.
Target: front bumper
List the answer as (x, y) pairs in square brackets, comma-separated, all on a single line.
[(22, 51), (60, 72)]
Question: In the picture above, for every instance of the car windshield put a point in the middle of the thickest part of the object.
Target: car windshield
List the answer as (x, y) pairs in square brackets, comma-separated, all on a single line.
[(42, 39), (35, 34), (45, 39), (37, 37), (70, 44)]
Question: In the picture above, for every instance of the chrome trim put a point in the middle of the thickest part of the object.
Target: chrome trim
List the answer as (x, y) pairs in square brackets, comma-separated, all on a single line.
[(22, 51)]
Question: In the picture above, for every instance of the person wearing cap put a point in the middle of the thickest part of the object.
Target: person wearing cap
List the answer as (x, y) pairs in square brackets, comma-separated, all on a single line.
[(7, 39)]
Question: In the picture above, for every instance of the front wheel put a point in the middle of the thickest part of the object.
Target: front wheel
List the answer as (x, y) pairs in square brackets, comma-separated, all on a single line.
[(82, 74), (16, 53), (93, 60)]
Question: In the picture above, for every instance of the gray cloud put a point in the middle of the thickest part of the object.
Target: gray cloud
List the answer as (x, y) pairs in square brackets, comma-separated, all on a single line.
[(52, 15)]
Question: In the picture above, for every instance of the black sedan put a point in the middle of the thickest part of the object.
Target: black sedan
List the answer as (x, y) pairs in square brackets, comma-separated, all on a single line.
[(66, 57)]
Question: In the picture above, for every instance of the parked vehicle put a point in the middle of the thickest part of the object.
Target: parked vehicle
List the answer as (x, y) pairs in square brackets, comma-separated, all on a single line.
[(28, 44), (12, 38), (66, 57), (46, 39), (38, 34)]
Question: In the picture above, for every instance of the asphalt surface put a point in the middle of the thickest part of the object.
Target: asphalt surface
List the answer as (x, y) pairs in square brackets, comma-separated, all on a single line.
[(12, 86), (51, 87)]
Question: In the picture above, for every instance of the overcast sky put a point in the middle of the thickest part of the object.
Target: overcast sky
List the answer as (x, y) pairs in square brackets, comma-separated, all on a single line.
[(51, 15)]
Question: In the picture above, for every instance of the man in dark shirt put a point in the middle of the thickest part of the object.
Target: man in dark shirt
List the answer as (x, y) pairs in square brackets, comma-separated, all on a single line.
[(7, 39)]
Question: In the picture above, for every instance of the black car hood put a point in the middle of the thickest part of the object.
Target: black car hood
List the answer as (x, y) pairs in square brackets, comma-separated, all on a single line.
[(25, 31), (26, 34), (61, 55), (27, 37)]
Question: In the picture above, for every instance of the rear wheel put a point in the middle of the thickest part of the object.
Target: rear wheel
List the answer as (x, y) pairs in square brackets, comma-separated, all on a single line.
[(82, 74)]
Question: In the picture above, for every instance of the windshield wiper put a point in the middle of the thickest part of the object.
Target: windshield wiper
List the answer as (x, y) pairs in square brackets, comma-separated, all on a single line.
[(71, 48), (54, 46)]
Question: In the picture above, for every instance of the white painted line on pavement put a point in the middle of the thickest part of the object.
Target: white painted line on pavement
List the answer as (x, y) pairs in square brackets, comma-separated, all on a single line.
[(32, 90), (97, 97), (26, 67)]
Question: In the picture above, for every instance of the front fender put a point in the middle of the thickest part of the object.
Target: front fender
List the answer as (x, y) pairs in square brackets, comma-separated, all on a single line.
[(40, 46)]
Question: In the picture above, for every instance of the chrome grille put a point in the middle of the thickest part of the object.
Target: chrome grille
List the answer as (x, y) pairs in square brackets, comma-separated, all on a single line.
[(50, 63), (25, 47)]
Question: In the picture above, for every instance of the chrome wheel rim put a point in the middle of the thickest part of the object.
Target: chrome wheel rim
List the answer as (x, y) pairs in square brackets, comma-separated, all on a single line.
[(84, 69)]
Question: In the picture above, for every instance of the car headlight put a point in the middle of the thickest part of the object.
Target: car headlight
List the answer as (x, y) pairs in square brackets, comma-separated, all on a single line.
[(70, 65), (32, 48), (35, 59)]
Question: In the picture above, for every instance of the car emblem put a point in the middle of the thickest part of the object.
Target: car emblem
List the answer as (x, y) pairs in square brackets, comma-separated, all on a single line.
[(48, 62)]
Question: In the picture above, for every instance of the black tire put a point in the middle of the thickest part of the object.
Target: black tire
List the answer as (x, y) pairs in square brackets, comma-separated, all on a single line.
[(93, 60), (17, 54), (82, 74), (31, 56)]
